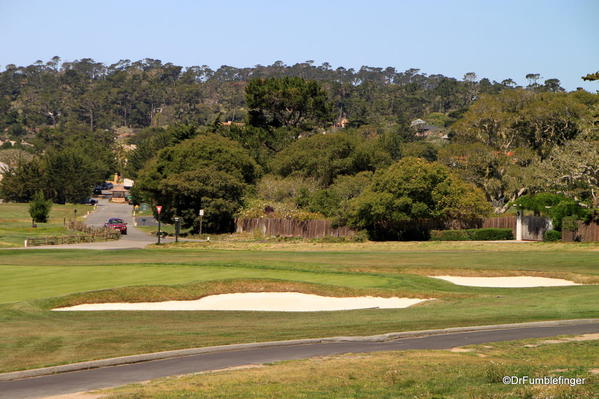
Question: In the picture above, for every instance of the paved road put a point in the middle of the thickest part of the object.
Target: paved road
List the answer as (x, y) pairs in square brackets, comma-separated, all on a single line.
[(120, 375), (105, 209)]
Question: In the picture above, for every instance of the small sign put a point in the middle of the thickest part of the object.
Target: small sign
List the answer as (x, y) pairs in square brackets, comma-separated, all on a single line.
[(201, 212), (158, 209)]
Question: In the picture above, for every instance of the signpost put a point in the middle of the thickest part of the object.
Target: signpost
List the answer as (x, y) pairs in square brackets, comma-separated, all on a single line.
[(158, 210), (201, 217), (177, 228)]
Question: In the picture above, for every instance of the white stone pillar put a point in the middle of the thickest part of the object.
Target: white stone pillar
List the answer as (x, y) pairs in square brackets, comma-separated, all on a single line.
[(519, 226)]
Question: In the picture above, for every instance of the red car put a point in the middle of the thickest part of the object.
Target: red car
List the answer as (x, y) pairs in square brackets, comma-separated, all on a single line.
[(117, 224)]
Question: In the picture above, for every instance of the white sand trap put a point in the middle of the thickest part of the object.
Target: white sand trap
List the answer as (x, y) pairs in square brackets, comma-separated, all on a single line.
[(259, 301), (507, 282)]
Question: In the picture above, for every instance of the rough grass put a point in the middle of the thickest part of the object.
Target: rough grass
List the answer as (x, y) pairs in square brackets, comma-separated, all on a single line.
[(475, 373), (32, 282), (15, 222)]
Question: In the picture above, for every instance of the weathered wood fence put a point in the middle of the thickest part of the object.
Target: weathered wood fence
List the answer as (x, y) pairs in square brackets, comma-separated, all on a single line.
[(317, 228), (533, 227), (89, 234), (584, 232)]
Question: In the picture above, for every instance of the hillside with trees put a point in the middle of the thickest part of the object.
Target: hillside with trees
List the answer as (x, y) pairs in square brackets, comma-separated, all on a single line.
[(373, 148)]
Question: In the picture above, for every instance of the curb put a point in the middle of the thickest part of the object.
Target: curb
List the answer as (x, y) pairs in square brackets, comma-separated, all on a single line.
[(116, 361)]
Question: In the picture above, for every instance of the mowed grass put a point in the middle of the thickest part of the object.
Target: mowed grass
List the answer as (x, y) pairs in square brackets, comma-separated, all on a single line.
[(15, 222), (477, 373), (33, 282)]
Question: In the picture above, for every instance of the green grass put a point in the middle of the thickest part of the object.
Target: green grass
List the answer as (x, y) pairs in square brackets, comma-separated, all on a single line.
[(15, 223), (397, 375), (34, 281)]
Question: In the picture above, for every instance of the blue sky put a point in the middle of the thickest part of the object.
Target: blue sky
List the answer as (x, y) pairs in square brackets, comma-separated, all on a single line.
[(497, 39)]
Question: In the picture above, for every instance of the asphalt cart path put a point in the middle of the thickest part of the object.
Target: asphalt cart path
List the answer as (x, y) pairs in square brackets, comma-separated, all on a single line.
[(104, 377)]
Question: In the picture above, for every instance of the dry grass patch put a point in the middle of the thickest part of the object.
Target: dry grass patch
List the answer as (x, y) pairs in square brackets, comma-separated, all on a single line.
[(397, 375), (231, 242)]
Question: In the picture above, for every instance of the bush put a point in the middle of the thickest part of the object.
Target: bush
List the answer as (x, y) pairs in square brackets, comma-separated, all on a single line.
[(489, 234), (449, 235), (552, 235), (39, 208)]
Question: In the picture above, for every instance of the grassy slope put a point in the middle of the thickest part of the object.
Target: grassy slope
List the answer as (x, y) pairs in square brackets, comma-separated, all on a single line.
[(406, 374), (33, 336), (15, 222)]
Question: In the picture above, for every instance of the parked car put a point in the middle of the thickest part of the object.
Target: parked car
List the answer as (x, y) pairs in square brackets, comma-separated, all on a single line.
[(103, 186), (117, 224), (89, 201)]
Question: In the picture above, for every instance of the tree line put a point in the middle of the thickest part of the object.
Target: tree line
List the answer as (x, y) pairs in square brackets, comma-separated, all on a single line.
[(302, 141)]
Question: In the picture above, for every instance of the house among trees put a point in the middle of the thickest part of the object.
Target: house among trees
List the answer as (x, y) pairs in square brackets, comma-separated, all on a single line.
[(423, 129)]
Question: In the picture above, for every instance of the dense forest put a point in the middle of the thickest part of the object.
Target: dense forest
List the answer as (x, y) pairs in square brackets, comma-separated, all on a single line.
[(373, 148)]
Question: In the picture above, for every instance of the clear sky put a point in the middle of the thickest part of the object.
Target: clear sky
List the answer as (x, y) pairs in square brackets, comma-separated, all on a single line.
[(497, 39)]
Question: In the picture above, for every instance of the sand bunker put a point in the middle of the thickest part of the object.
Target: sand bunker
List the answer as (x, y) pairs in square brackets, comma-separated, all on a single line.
[(507, 282), (259, 301)]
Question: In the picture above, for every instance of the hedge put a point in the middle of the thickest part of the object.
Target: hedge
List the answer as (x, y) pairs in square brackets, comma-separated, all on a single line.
[(489, 234), (552, 235)]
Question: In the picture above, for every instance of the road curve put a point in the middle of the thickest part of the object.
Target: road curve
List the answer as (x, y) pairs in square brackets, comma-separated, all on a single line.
[(87, 380), (104, 210)]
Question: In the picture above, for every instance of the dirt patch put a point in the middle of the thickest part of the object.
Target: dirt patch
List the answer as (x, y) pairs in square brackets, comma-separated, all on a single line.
[(579, 338), (583, 337), (460, 349), (236, 368), (77, 395)]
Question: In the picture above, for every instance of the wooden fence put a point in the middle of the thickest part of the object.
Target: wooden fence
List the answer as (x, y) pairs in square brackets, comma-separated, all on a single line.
[(584, 232), (317, 228), (89, 234), (533, 227)]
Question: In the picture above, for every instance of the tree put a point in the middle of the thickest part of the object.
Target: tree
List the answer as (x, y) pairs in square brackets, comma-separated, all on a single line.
[(412, 196), (39, 209), (63, 175), (520, 118), (502, 175), (573, 169), (591, 76), (532, 79), (556, 206), (287, 102), (22, 181), (69, 176), (207, 172), (553, 85), (327, 156)]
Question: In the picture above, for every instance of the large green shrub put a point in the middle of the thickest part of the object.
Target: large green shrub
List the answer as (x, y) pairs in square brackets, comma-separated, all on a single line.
[(552, 235), (412, 196), (208, 172), (39, 208), (449, 235), (490, 234), (487, 234)]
